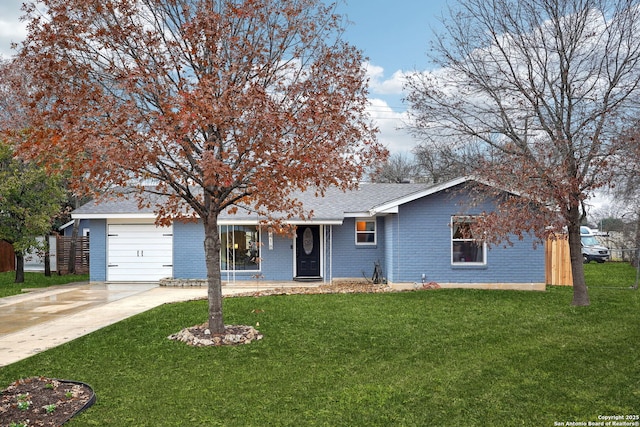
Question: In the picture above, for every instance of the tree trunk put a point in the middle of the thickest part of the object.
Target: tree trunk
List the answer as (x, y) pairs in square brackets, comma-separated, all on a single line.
[(580, 293), (214, 280), (19, 267), (72, 247), (47, 260)]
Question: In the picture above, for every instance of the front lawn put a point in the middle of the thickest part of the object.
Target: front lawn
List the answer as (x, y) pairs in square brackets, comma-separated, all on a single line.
[(437, 358), (35, 280)]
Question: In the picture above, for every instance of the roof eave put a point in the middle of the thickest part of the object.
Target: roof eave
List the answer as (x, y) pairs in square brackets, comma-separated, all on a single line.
[(335, 221), (221, 221), (113, 216)]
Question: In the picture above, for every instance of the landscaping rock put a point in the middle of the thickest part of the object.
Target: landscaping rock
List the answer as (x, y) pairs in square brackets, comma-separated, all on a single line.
[(201, 336)]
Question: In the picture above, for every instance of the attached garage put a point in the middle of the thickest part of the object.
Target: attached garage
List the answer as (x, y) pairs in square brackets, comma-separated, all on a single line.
[(139, 252)]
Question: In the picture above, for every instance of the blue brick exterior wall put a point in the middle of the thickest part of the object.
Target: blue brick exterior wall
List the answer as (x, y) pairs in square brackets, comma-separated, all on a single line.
[(277, 263), (390, 267), (423, 246), (188, 250), (189, 260), (98, 250), (351, 260)]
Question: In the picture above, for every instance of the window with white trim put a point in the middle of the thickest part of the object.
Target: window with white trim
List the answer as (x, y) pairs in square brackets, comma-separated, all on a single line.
[(366, 231), (466, 249), (240, 248)]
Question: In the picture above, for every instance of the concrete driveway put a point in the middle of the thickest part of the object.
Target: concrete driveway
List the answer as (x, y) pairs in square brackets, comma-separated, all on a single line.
[(41, 319)]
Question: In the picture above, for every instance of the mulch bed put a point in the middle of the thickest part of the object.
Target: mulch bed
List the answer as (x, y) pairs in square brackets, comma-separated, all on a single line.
[(41, 401), (347, 287), (336, 288)]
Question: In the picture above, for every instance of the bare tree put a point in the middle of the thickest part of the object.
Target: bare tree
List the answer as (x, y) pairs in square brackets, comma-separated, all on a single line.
[(626, 192), (547, 87), (398, 168), (442, 162)]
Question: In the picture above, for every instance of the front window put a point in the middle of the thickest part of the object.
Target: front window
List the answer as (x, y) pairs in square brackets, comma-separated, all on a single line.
[(465, 248), (240, 249), (366, 232)]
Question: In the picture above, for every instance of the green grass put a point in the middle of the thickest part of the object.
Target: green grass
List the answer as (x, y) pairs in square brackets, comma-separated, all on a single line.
[(35, 280), (437, 358), (610, 274)]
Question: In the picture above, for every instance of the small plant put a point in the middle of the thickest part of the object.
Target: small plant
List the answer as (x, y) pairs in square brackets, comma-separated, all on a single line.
[(50, 408), (20, 424), (49, 386), (68, 395), (24, 405), (258, 276)]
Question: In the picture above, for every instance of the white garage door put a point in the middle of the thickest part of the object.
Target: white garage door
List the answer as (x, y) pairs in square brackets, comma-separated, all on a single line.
[(139, 253)]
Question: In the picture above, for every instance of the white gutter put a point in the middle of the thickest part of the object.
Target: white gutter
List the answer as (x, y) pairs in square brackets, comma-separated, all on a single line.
[(221, 221)]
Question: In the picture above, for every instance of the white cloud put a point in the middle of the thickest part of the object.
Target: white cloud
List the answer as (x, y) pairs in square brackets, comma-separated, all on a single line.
[(381, 86), (390, 124), (11, 29), (386, 109), (11, 32)]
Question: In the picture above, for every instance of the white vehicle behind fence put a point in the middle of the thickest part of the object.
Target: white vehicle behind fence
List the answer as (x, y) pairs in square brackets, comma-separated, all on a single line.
[(592, 250)]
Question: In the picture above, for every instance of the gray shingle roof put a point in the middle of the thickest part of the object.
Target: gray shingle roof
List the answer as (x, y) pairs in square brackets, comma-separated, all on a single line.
[(116, 205), (334, 206), (336, 203)]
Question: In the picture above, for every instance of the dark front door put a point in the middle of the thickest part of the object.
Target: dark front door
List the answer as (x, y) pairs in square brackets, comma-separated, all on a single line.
[(308, 251)]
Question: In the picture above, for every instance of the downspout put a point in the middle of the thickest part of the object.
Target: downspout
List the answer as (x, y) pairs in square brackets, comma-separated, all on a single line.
[(397, 278), (330, 253), (323, 245)]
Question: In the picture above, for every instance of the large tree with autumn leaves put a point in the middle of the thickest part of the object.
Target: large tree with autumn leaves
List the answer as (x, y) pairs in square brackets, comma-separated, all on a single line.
[(217, 103)]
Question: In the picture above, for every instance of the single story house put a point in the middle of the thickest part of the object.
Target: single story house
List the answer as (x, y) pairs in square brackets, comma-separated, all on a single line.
[(414, 232)]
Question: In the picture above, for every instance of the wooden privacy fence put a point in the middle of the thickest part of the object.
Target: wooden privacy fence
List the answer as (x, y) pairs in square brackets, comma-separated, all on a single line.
[(59, 252), (7, 257), (63, 249), (558, 262)]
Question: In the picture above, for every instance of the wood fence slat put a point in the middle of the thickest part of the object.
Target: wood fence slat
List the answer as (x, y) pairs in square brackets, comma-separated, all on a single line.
[(558, 262)]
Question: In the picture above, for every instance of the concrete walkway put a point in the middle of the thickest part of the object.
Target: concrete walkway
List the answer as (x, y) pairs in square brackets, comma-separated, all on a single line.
[(41, 319)]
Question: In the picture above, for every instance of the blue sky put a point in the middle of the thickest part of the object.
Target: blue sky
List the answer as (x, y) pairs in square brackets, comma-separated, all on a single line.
[(393, 34)]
